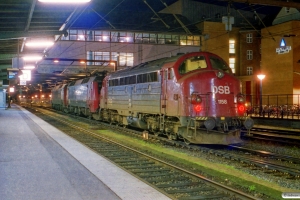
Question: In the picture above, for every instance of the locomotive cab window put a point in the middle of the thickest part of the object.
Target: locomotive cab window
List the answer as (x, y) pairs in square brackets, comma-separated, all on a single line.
[(219, 64), (193, 63)]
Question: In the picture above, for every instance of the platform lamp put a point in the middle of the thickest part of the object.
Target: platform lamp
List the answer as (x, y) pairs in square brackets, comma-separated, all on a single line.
[(260, 77)]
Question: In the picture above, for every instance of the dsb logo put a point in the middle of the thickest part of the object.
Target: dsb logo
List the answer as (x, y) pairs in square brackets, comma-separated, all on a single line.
[(221, 89)]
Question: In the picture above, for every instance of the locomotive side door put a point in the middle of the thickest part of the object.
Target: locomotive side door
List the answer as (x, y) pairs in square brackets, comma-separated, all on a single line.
[(163, 97), (169, 98)]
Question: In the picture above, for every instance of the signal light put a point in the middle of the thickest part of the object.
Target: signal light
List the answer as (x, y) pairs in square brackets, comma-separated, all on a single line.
[(241, 108), (197, 108)]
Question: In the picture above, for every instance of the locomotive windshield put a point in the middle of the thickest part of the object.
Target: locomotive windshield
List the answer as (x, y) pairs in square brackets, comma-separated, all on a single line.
[(219, 64), (192, 63)]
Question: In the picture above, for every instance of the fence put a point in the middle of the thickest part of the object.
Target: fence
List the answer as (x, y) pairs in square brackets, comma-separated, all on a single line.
[(274, 106)]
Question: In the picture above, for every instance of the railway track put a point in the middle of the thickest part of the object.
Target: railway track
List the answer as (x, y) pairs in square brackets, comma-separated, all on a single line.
[(246, 160), (288, 137), (175, 182), (268, 162)]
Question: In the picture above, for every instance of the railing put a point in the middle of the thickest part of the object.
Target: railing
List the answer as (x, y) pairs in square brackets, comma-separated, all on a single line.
[(285, 106)]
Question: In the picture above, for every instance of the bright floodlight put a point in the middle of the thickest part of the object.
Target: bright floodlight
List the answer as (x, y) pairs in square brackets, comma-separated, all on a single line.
[(64, 1), (32, 58), (261, 76), (29, 67), (39, 44)]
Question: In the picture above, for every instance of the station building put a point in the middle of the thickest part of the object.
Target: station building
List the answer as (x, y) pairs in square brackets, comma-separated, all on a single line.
[(248, 51)]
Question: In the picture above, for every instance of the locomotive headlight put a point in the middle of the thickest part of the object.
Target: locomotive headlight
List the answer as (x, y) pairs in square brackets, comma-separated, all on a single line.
[(220, 74), (241, 99), (196, 99)]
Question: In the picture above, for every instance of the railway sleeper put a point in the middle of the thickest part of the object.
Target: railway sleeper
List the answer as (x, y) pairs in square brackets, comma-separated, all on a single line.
[(179, 184), (204, 197), (190, 190)]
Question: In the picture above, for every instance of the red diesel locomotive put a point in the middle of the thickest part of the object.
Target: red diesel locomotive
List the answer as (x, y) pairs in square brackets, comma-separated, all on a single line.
[(193, 96)]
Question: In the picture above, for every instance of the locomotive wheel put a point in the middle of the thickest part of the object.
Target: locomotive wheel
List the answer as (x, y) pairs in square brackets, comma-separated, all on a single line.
[(172, 136), (157, 133), (186, 141)]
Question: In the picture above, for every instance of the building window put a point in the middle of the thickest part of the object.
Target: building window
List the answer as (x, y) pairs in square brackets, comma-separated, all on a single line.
[(102, 36), (249, 38), (231, 46), (232, 64), (249, 70), (123, 59), (132, 37), (126, 59), (249, 54)]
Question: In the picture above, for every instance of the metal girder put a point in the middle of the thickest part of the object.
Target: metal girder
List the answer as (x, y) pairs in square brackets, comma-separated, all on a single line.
[(270, 3), (24, 34), (157, 14)]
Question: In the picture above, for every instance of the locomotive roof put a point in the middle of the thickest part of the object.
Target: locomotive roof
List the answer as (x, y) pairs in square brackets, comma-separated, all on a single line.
[(145, 67)]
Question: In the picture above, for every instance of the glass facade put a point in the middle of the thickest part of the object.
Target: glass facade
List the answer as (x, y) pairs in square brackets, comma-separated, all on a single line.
[(132, 37)]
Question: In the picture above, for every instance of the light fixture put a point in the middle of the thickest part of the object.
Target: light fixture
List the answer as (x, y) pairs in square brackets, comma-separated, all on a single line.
[(261, 76), (64, 1), (39, 44), (32, 58), (29, 67)]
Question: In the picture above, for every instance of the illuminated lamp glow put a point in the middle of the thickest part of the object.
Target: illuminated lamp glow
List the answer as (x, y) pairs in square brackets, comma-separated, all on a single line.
[(11, 89), (29, 67), (64, 1), (56, 61), (261, 76), (32, 58), (80, 37), (50, 95), (43, 96), (39, 44), (35, 95), (197, 108), (241, 108), (82, 61), (26, 76)]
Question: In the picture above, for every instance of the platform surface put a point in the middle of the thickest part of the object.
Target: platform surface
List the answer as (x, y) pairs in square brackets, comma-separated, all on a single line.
[(39, 162)]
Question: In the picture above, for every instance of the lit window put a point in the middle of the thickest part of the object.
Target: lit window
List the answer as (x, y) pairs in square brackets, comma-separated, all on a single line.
[(232, 64), (231, 46), (249, 70), (124, 59), (249, 54), (249, 38), (131, 37)]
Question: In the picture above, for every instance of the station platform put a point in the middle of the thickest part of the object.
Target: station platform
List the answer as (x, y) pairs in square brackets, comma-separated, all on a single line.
[(39, 162)]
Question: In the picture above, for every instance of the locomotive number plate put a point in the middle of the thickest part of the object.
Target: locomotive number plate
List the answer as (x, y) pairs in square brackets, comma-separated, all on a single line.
[(222, 101)]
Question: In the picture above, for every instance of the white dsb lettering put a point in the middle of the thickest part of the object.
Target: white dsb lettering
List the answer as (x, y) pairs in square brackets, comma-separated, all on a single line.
[(221, 89)]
